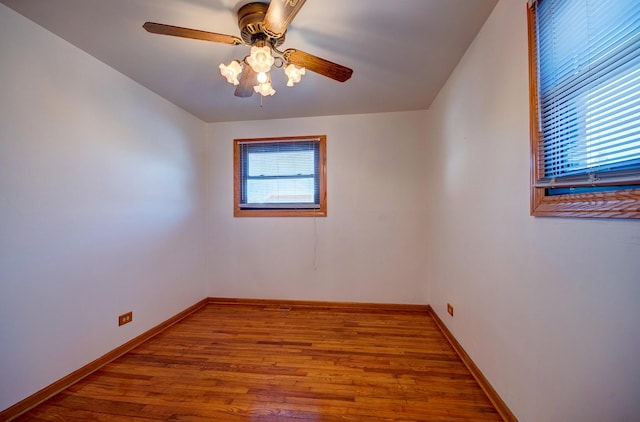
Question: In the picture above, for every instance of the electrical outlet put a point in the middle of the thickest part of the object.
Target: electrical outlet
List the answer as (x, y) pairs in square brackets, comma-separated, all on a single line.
[(450, 309), (125, 318)]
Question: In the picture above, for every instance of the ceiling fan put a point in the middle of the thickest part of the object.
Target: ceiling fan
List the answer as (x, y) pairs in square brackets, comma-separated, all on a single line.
[(262, 27)]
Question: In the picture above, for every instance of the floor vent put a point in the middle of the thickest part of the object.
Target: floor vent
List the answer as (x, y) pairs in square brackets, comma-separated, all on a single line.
[(278, 308)]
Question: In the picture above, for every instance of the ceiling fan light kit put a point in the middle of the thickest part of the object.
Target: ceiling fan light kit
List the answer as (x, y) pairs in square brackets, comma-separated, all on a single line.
[(262, 27)]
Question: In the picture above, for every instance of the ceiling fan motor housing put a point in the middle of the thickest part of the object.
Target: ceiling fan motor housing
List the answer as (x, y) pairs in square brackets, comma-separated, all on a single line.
[(250, 21)]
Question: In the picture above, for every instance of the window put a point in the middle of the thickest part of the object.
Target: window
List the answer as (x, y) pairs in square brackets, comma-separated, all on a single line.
[(584, 58), (280, 177)]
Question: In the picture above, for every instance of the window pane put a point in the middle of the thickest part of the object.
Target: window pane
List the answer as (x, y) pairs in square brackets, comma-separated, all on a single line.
[(589, 86), (613, 122), (598, 129), (264, 191), (281, 163)]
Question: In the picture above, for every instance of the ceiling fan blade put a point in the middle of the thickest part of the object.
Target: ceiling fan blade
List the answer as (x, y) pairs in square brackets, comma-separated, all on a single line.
[(176, 31), (316, 64), (279, 16), (248, 79)]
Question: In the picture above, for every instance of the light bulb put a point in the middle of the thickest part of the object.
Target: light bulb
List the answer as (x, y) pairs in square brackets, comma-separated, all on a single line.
[(261, 57), (262, 77)]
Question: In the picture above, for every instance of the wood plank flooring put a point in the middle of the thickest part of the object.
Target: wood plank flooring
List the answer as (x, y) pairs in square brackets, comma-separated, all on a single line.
[(256, 363)]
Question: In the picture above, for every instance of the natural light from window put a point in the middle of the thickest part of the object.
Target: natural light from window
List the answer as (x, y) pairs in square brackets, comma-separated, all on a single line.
[(589, 127), (281, 177), (612, 119)]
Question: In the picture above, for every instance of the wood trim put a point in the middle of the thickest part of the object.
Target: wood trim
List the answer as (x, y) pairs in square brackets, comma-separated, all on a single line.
[(321, 212), (493, 396), (537, 194), (606, 204), (612, 204), (355, 306), (67, 381)]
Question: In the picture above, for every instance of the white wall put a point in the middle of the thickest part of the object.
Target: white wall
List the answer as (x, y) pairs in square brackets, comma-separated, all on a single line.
[(547, 308), (100, 208), (369, 248)]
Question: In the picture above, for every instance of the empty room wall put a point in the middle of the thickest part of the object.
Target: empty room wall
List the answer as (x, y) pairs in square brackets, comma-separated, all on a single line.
[(547, 307), (370, 247), (100, 208)]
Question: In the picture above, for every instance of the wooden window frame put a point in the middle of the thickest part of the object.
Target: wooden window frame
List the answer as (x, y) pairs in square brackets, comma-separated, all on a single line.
[(623, 203), (286, 212)]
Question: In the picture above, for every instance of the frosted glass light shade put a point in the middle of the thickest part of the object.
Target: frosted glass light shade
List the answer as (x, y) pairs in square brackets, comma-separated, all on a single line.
[(260, 59), (231, 71), (294, 73), (264, 89)]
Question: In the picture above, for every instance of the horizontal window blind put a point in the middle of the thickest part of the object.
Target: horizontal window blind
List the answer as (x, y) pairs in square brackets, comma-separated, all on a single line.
[(280, 174), (588, 99)]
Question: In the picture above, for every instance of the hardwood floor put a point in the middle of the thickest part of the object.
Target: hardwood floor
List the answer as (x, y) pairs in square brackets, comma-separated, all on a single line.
[(257, 363)]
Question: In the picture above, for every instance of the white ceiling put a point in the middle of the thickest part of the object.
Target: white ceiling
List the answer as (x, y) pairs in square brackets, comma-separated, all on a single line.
[(401, 51)]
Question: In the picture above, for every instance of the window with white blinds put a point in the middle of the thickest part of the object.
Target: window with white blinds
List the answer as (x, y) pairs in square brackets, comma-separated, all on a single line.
[(588, 60), (585, 66), (280, 177)]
